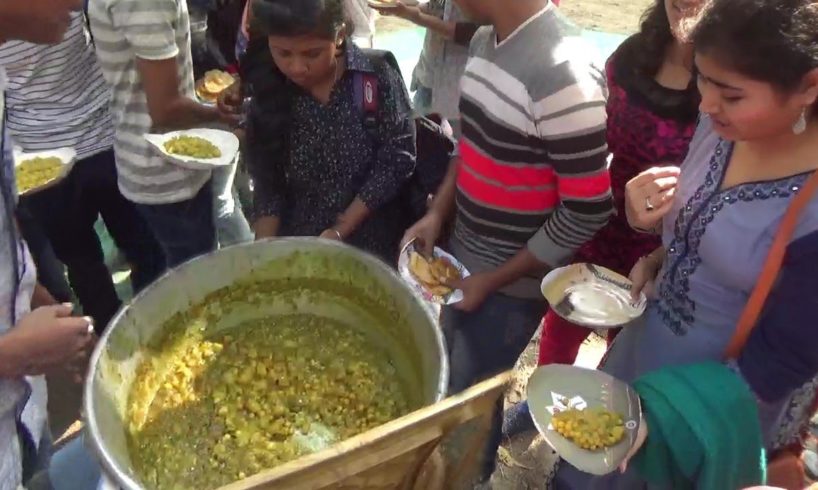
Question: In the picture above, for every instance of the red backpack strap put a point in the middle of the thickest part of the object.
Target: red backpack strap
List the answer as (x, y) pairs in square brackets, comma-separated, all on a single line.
[(366, 99)]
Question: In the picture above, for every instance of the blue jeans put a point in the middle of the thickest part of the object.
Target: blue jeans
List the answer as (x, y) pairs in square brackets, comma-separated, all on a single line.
[(70, 468), (231, 225), (487, 342), (184, 229)]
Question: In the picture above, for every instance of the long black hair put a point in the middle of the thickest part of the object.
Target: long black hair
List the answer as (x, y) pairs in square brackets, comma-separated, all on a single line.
[(268, 119), (651, 42), (773, 41), (637, 61)]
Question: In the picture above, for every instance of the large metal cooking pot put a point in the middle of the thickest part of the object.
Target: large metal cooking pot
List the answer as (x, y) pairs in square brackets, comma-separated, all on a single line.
[(307, 275)]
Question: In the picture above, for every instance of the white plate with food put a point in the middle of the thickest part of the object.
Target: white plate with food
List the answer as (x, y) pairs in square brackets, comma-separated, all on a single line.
[(590, 418), (429, 276), (212, 84), (196, 149), (592, 296), (40, 170)]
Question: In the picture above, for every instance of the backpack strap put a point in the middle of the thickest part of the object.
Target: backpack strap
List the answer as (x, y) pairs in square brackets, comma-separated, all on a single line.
[(366, 90), (367, 99)]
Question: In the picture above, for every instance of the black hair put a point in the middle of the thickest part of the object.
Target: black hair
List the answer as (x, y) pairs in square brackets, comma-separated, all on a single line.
[(268, 118), (324, 18), (652, 40), (773, 41)]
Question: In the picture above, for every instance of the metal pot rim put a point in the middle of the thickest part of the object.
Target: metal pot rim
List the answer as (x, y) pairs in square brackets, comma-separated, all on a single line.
[(89, 414)]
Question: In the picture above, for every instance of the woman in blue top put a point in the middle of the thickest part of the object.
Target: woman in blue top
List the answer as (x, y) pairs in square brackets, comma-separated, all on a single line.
[(756, 145)]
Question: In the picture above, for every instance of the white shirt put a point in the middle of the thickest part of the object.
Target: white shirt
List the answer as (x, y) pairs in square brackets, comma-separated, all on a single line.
[(56, 95)]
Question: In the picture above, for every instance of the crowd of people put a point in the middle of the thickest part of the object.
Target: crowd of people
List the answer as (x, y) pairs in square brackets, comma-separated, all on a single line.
[(675, 163)]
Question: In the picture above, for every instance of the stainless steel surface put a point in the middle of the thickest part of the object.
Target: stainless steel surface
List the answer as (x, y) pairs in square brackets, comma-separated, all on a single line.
[(585, 387), (342, 282)]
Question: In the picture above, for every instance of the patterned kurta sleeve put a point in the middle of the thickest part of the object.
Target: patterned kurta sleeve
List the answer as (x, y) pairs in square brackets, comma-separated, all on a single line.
[(395, 157), (782, 351)]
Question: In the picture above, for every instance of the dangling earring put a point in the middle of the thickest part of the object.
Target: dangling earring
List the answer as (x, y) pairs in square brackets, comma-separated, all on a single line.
[(801, 124)]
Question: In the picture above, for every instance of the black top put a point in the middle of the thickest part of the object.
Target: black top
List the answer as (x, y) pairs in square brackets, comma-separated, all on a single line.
[(667, 103), (333, 160)]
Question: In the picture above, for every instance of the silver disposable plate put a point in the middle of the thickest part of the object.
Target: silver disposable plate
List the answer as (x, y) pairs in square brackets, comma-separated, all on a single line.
[(557, 387), (591, 296), (403, 268)]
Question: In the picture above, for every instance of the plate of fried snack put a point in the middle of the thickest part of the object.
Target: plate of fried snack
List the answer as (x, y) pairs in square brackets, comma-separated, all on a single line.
[(212, 84), (588, 417), (36, 171), (196, 149), (432, 276)]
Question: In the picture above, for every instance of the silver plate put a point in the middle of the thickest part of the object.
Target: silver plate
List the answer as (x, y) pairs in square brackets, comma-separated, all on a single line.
[(552, 385), (403, 268), (591, 296)]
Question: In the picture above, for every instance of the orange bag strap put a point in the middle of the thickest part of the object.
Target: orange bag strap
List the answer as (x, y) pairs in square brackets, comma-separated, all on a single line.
[(775, 257)]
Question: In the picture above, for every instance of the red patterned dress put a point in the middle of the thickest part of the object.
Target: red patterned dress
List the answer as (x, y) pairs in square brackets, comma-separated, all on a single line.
[(648, 125)]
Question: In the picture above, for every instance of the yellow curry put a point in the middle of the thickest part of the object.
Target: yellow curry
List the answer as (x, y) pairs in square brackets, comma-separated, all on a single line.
[(233, 403), (37, 172)]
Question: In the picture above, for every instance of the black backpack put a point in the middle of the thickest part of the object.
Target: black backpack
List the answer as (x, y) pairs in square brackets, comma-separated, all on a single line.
[(435, 145)]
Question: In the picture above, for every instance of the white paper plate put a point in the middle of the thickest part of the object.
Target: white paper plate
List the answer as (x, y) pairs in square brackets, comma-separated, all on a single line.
[(224, 141), (552, 385), (598, 297), (403, 268), (67, 157)]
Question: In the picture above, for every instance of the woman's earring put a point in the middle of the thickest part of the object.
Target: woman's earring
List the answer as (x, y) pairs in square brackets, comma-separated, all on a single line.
[(801, 124)]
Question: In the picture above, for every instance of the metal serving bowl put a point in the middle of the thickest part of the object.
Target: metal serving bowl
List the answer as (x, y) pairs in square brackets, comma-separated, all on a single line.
[(314, 276)]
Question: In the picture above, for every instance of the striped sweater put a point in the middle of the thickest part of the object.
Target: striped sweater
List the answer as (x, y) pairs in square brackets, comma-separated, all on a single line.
[(533, 168)]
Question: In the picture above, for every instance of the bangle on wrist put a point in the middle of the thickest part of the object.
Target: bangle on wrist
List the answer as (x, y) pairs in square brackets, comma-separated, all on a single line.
[(338, 233)]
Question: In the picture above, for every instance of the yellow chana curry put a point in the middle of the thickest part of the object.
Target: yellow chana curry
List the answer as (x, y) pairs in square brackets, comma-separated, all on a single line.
[(591, 429), (245, 399), (36, 172), (192, 146)]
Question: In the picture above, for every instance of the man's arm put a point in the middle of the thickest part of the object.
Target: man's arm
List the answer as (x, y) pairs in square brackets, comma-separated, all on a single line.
[(150, 29), (167, 107)]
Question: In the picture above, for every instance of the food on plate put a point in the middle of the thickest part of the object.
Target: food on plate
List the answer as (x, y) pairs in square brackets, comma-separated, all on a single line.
[(591, 428), (212, 84), (36, 172), (207, 410), (433, 274), (192, 146)]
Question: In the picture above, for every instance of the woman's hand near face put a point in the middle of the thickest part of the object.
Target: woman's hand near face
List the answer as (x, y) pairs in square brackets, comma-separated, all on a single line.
[(649, 196)]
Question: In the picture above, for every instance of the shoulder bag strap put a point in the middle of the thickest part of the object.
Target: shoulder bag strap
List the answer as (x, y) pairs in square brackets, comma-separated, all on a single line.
[(772, 265)]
